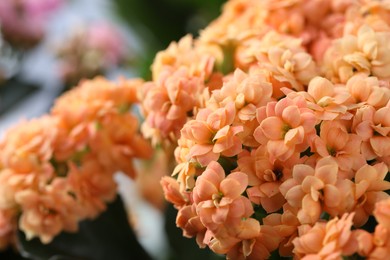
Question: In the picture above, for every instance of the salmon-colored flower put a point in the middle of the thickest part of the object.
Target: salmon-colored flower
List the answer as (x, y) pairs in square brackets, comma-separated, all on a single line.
[(216, 196), (91, 186), (286, 225), (8, 225), (188, 220), (80, 110), (366, 52), (213, 135), (28, 146), (313, 190), (184, 53), (374, 128), (369, 90), (382, 213), (326, 100), (259, 247), (116, 143), (288, 63), (247, 91), (370, 187), (286, 127), (173, 194), (25, 154), (265, 177), (48, 212), (381, 241), (167, 101), (336, 141), (329, 240)]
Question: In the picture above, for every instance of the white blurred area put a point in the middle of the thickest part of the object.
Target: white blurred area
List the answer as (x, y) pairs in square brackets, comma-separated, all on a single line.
[(39, 67)]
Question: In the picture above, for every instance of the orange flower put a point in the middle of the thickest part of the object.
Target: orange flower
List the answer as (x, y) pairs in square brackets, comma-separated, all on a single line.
[(335, 141), (48, 212), (25, 153), (216, 196), (370, 185), (369, 90), (310, 190), (329, 240), (213, 135), (286, 225), (116, 143), (382, 213), (184, 53), (188, 220), (91, 186), (247, 91), (265, 177), (327, 100), (286, 127), (367, 52)]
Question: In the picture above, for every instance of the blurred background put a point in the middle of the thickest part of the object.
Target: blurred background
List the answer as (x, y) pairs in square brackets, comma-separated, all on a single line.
[(47, 46)]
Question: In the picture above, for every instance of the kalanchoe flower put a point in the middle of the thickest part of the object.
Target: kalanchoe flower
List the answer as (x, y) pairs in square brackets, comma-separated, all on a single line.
[(316, 155), (326, 240), (213, 135), (47, 212), (310, 190), (286, 127), (366, 52)]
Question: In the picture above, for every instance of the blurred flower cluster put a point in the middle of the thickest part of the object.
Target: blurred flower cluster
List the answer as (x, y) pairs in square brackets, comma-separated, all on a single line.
[(277, 116), (90, 50), (58, 169), (87, 49)]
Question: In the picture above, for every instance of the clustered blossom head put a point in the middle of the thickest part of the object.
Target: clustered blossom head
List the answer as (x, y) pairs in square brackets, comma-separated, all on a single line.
[(58, 169), (298, 126)]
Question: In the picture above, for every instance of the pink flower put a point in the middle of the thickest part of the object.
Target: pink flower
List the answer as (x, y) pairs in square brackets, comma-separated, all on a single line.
[(106, 39), (23, 22)]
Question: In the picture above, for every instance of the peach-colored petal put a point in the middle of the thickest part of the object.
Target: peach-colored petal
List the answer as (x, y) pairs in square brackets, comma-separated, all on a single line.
[(272, 128)]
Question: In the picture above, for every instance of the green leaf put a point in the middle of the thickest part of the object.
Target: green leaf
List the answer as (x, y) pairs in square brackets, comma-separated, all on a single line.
[(107, 237)]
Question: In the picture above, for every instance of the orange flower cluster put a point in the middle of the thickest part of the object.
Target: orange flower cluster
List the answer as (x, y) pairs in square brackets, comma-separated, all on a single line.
[(58, 169), (279, 116)]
